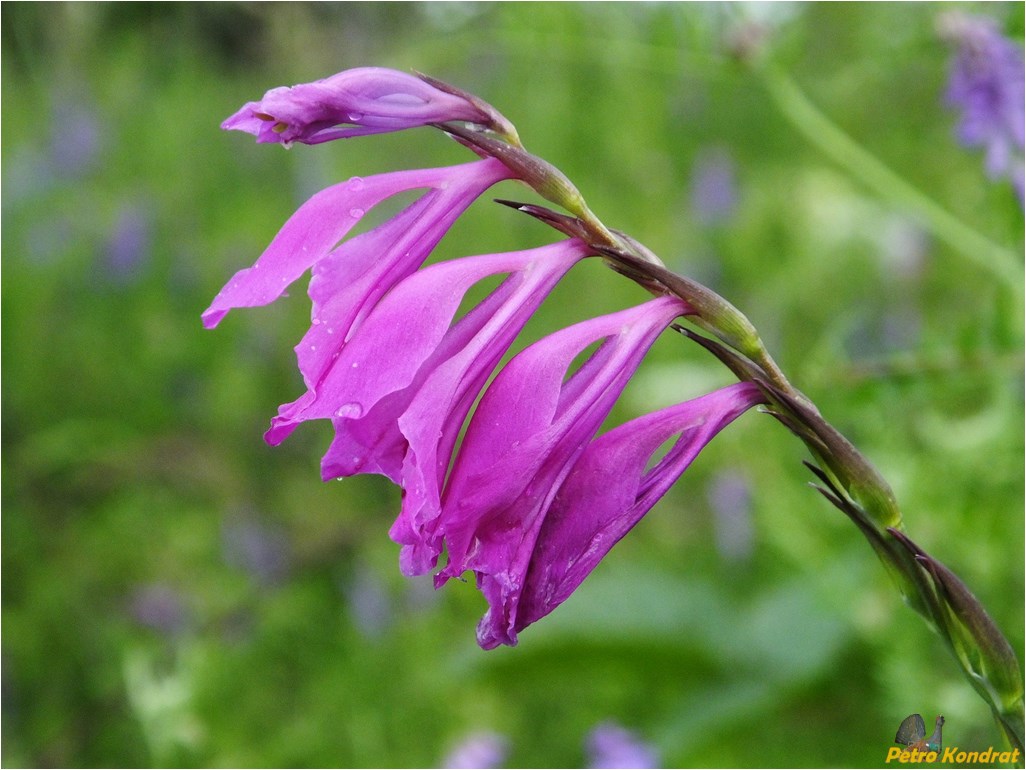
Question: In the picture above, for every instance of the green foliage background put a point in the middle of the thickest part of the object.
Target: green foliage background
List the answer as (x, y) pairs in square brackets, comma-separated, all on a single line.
[(133, 463)]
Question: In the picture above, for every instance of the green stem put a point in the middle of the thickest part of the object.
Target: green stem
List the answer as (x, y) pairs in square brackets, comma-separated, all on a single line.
[(822, 132)]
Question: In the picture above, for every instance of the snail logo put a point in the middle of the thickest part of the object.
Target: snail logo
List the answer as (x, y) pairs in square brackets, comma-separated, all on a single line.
[(912, 733)]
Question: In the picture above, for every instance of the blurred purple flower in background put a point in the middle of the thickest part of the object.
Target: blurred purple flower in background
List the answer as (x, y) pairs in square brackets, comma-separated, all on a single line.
[(128, 246), (611, 746), (713, 187), (369, 602), (76, 138), (256, 548), (159, 607), (730, 498), (986, 84), (478, 750)]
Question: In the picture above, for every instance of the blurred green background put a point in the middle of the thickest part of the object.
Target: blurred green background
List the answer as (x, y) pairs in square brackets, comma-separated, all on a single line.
[(175, 592)]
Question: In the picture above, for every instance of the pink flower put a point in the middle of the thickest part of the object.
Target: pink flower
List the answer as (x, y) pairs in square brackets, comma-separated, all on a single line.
[(526, 436), (608, 491), (310, 235), (406, 379), (532, 501), (356, 102)]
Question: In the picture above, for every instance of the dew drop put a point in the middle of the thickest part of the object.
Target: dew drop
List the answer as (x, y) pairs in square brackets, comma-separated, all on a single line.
[(356, 365), (351, 410), (355, 117), (356, 213), (356, 183)]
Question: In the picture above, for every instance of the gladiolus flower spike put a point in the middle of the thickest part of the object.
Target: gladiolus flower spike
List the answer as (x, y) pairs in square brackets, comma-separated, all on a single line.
[(530, 501)]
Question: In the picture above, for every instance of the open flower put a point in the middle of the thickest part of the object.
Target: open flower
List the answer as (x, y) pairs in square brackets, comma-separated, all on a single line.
[(609, 490), (355, 102), (309, 236), (406, 345), (528, 430), (348, 281)]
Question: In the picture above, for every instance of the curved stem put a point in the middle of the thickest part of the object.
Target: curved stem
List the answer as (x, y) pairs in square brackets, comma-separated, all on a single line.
[(822, 132), (985, 656)]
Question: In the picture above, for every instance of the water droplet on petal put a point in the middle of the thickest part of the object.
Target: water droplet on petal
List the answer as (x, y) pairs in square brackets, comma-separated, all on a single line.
[(356, 183), (351, 410), (356, 213), (355, 117)]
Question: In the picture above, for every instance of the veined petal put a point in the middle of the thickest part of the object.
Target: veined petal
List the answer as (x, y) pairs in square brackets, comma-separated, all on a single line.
[(524, 437), (407, 336), (355, 102), (606, 494), (313, 231)]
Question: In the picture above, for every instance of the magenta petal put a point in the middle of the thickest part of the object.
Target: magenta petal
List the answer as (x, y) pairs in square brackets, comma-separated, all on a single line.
[(313, 231), (350, 281), (436, 413), (365, 100), (525, 435), (607, 493), (408, 336)]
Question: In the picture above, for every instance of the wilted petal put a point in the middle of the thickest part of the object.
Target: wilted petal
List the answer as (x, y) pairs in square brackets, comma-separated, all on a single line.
[(609, 491), (408, 336), (314, 230), (356, 102)]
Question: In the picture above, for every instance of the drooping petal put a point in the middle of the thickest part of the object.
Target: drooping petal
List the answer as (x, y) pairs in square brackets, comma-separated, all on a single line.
[(348, 282), (313, 231), (408, 336), (525, 435), (606, 494), (355, 102)]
